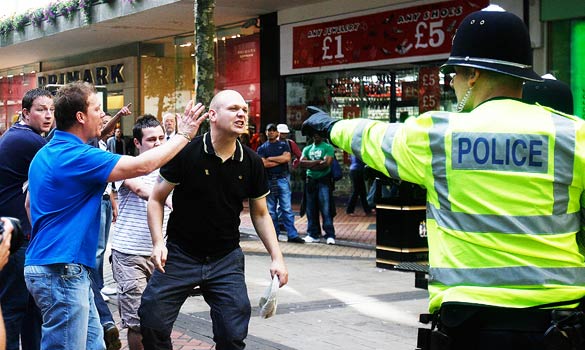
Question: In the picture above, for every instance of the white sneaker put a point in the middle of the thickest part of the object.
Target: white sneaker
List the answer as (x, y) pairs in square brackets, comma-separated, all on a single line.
[(105, 297), (109, 290), (309, 239), (330, 240)]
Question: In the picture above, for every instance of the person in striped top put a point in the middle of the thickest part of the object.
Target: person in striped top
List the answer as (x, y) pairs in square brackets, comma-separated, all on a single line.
[(131, 242)]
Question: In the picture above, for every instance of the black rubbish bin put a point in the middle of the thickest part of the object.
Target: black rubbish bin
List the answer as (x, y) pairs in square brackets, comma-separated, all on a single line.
[(400, 223)]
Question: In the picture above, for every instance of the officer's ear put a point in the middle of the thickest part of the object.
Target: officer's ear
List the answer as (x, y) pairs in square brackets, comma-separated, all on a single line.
[(473, 75)]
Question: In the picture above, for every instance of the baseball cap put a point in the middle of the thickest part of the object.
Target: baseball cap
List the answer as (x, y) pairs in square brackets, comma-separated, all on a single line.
[(282, 128), (270, 127)]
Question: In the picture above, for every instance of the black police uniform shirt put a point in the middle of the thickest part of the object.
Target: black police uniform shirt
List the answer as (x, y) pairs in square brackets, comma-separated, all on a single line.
[(208, 196)]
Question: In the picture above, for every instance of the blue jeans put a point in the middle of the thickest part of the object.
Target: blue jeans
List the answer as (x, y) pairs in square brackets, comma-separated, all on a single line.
[(104, 234), (358, 189), (223, 286), (97, 273), (319, 200), (279, 200), (21, 315), (64, 295)]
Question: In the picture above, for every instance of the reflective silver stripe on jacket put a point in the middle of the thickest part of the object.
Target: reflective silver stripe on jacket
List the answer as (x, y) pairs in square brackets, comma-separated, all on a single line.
[(439, 159), (487, 223), (508, 276), (357, 138), (564, 160)]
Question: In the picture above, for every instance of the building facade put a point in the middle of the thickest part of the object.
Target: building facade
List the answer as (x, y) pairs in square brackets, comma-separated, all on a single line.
[(377, 59)]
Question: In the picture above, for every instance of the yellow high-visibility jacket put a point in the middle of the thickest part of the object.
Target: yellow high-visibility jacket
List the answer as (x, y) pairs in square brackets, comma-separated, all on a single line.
[(505, 198)]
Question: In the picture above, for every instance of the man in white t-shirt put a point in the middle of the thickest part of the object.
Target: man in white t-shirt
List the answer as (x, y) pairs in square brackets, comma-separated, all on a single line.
[(131, 241)]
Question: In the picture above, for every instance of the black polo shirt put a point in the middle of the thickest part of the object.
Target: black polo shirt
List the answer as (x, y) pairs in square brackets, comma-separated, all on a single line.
[(209, 194)]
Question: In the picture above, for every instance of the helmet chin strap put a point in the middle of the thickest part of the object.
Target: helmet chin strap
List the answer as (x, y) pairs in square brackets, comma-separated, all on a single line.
[(463, 101)]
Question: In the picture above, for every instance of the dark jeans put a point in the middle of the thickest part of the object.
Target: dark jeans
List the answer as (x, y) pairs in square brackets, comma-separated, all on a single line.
[(358, 189), (96, 274), (21, 315), (319, 199), (223, 286), (106, 318)]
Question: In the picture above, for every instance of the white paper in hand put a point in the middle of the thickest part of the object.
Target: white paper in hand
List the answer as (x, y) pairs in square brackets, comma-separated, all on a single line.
[(268, 300)]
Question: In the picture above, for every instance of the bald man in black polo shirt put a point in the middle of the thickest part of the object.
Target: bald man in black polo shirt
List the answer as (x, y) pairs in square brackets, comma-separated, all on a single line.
[(210, 177)]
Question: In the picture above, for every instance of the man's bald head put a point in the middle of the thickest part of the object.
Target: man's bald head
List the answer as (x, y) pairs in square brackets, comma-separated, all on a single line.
[(225, 97)]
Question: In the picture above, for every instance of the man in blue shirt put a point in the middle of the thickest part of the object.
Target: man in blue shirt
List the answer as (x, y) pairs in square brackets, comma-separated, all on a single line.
[(67, 180), (18, 146), (275, 156)]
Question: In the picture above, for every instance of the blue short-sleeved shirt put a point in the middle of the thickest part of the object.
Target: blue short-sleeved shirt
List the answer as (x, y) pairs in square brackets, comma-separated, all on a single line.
[(66, 182), (274, 149)]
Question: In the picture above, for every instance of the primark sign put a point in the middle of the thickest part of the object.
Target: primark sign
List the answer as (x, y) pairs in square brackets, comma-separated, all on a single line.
[(98, 75)]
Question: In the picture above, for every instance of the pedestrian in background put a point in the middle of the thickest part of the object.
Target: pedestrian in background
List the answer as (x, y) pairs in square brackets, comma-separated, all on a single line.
[(66, 184), (18, 147), (317, 158), (210, 179), (170, 125), (131, 241), (358, 187), (505, 182), (116, 144), (276, 156), (295, 151)]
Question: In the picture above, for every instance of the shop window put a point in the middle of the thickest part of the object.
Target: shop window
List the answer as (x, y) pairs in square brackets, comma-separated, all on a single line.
[(237, 66), (385, 95), (12, 89)]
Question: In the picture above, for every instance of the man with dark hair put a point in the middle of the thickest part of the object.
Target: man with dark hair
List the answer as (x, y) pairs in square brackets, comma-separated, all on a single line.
[(131, 242), (317, 158), (116, 143), (67, 180), (275, 156), (211, 178), (18, 146)]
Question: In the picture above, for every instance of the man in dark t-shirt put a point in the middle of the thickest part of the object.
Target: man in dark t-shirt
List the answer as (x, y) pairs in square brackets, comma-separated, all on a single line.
[(211, 178), (18, 146)]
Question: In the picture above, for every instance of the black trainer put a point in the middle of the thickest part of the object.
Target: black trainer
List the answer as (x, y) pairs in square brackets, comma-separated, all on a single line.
[(297, 239), (112, 338)]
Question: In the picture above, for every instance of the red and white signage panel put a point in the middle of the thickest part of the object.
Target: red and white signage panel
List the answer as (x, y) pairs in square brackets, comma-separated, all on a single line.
[(408, 32)]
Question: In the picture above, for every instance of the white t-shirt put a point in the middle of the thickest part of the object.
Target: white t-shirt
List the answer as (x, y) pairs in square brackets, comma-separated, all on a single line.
[(131, 233)]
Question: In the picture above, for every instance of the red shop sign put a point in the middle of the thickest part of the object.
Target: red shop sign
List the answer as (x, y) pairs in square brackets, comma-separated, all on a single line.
[(408, 32), (351, 112), (429, 89)]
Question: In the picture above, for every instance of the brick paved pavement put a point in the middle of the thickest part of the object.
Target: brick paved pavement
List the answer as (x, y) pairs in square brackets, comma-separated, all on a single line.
[(356, 236), (356, 230)]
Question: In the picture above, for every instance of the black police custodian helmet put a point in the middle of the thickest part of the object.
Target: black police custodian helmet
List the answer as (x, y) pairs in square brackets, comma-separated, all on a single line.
[(551, 93), (493, 40)]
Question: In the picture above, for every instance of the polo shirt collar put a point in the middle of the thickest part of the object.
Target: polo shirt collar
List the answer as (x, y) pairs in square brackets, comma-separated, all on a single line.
[(208, 148), (66, 136)]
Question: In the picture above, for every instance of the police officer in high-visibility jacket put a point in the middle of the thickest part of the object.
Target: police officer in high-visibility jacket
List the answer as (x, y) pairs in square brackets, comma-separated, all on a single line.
[(505, 185)]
